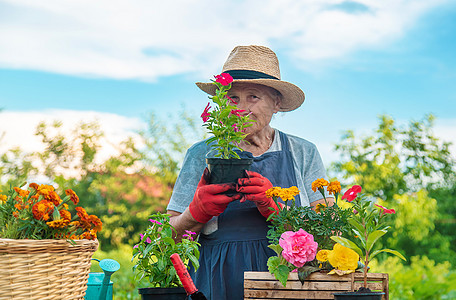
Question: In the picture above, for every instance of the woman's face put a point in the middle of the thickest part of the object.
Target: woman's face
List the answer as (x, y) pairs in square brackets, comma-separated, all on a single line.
[(255, 99)]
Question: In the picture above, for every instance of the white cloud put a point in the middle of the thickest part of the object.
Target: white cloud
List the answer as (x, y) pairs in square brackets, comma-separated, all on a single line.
[(17, 129), (145, 39)]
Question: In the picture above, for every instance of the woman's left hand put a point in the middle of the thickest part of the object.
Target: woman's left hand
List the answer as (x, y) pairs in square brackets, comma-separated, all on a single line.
[(254, 189)]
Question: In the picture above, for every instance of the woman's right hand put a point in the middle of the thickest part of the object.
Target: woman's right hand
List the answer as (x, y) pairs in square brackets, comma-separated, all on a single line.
[(209, 199)]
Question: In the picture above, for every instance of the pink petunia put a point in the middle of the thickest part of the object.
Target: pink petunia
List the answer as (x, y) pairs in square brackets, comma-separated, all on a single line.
[(232, 101), (237, 111), (148, 240), (155, 222), (142, 236), (298, 247), (235, 127), (135, 246), (205, 115), (386, 210), (224, 79), (352, 193)]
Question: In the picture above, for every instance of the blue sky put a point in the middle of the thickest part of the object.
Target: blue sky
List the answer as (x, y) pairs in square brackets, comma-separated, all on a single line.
[(354, 60)]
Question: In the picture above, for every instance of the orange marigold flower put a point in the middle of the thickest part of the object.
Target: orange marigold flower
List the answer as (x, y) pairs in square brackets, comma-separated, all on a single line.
[(73, 197), (65, 214), (15, 214), (75, 224), (62, 223), (89, 235), (41, 210), (334, 187), (82, 214), (3, 198), (54, 198), (18, 206), (21, 192), (319, 183), (96, 222), (33, 186)]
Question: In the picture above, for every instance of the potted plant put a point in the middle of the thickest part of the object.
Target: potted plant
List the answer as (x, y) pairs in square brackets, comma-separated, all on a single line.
[(226, 123), (41, 235), (368, 224), (152, 258), (308, 229)]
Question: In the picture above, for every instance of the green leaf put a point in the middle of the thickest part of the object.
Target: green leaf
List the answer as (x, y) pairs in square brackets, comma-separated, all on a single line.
[(305, 271), (281, 274), (356, 224), (373, 237), (277, 249), (388, 251), (347, 243), (194, 261), (273, 264)]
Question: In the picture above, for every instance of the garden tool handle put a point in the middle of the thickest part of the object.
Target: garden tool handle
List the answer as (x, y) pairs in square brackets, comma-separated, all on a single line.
[(183, 274)]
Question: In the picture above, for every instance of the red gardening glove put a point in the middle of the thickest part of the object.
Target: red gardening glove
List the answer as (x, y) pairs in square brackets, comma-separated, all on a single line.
[(254, 188), (209, 200)]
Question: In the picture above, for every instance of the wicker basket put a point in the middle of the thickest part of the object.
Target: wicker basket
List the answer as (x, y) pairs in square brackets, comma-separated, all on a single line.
[(45, 269)]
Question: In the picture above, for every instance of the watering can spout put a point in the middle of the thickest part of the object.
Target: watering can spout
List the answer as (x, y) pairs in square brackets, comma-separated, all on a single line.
[(100, 283)]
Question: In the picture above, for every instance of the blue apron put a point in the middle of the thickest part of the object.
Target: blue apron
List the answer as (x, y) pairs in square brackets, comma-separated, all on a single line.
[(240, 243)]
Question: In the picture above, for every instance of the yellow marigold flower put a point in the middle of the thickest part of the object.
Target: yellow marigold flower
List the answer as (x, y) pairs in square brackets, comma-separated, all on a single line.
[(273, 192), (62, 223), (322, 255), (334, 187), (320, 207), (3, 198), (319, 183), (343, 258)]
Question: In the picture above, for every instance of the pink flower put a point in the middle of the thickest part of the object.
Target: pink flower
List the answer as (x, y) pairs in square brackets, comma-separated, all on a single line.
[(142, 236), (237, 111), (188, 236), (135, 246), (232, 101), (148, 240), (190, 232), (235, 127), (298, 247), (385, 210), (352, 193), (224, 79), (155, 222), (205, 115)]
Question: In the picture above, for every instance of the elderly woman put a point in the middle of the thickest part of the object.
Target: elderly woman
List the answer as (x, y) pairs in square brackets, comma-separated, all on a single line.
[(233, 233)]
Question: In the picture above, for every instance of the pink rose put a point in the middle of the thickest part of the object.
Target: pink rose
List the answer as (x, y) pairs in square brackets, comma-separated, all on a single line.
[(298, 247), (224, 79)]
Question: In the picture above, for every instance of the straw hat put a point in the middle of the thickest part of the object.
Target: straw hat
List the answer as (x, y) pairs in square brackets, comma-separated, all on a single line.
[(258, 64)]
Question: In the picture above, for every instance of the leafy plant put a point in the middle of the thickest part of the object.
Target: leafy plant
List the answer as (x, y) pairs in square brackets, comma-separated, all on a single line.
[(153, 252), (38, 213), (225, 122), (368, 223)]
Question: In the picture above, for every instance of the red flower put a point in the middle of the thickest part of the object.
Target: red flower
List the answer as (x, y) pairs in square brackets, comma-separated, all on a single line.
[(224, 79), (205, 115), (237, 111), (352, 193), (235, 127), (385, 210)]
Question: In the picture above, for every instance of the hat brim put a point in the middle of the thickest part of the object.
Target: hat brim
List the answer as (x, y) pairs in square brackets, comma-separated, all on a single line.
[(293, 96)]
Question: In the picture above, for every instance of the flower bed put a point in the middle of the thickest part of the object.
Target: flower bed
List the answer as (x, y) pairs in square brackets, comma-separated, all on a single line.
[(319, 285)]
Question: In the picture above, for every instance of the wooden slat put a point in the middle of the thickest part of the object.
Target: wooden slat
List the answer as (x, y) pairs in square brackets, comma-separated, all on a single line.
[(280, 294), (296, 285)]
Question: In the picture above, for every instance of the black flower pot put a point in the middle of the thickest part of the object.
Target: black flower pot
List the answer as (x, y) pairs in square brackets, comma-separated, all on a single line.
[(359, 296), (227, 170), (176, 293)]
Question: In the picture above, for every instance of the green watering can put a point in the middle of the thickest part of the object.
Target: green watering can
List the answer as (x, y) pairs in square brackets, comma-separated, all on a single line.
[(99, 286)]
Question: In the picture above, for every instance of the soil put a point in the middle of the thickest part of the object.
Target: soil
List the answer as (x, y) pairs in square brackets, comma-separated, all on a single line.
[(363, 290)]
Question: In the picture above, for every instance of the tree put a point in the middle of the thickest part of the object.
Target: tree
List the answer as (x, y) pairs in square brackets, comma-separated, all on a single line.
[(412, 171)]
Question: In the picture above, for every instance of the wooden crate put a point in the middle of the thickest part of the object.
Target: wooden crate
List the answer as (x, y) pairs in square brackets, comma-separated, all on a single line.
[(319, 285)]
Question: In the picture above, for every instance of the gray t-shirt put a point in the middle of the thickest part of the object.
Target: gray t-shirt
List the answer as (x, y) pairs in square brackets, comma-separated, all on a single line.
[(306, 160)]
